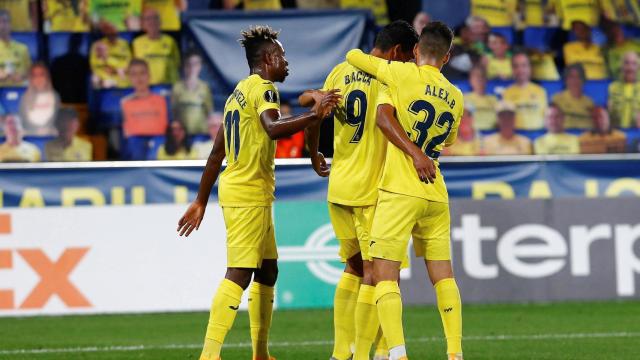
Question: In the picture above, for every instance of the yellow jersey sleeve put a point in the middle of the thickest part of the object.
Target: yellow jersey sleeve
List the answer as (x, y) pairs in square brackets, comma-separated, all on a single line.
[(380, 68), (384, 96), (265, 96)]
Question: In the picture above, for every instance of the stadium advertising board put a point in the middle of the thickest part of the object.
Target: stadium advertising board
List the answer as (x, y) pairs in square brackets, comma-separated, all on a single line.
[(112, 257)]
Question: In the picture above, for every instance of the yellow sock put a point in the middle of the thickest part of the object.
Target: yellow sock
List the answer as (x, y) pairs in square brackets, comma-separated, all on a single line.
[(260, 310), (223, 312), (381, 345), (366, 321), (389, 304), (450, 307), (344, 304)]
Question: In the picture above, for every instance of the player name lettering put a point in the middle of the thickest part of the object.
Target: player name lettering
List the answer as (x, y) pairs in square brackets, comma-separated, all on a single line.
[(239, 97), (440, 93), (359, 76)]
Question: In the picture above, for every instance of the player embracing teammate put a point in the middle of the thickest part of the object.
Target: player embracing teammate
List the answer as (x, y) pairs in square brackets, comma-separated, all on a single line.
[(418, 110), (380, 195)]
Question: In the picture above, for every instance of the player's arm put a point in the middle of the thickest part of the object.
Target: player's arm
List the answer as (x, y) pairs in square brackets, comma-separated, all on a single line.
[(193, 216), (390, 127), (373, 65), (277, 128), (312, 133)]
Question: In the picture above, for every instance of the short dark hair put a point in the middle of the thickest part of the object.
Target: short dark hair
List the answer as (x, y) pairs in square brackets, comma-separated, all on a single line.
[(138, 61), (499, 36), (577, 67), (398, 32), (65, 115), (255, 40), (435, 39)]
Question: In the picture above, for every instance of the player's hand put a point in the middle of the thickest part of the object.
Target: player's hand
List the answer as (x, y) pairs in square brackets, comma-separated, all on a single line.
[(425, 168), (325, 105), (191, 219), (320, 165)]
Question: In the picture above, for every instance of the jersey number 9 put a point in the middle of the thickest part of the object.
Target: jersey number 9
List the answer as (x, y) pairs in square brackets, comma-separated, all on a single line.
[(356, 113), (445, 121)]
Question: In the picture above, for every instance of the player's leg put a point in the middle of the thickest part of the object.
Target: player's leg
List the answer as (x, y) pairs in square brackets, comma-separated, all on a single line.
[(245, 230), (224, 309), (261, 294), (394, 219), (366, 313), (346, 294), (432, 240), (261, 297)]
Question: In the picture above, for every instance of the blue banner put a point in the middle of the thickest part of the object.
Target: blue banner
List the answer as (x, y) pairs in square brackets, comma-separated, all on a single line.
[(314, 42), (113, 185)]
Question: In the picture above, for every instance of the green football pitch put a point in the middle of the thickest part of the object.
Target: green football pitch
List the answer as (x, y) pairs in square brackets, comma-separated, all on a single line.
[(604, 330)]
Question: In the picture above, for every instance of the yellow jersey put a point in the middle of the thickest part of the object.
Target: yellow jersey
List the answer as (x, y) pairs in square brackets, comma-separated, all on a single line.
[(590, 57), (577, 111), (496, 12), (249, 178), (533, 13), (64, 17), (78, 150), (484, 110), (557, 144), (25, 152), (161, 54), (531, 105), (118, 56), (14, 58), (181, 154), (359, 145), (624, 103), (168, 11), (495, 144), (572, 10), (499, 68), (20, 14), (428, 108), (260, 4), (543, 67), (614, 141), (472, 147)]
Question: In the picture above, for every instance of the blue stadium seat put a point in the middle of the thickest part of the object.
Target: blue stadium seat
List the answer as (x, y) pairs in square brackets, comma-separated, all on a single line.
[(598, 90), (494, 85), (106, 103), (10, 98), (154, 144), (532, 134), (32, 40), (552, 87), (136, 147), (538, 37), (506, 31), (597, 36), (107, 106), (463, 85), (633, 140), (59, 43), (631, 31)]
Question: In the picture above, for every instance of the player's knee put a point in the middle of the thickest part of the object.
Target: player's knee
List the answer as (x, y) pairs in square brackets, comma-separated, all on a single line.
[(354, 265), (267, 274), (242, 277), (367, 276)]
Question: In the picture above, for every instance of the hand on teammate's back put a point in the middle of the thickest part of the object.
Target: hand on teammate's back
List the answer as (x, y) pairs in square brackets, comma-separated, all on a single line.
[(320, 164), (191, 219), (425, 168), (326, 102)]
